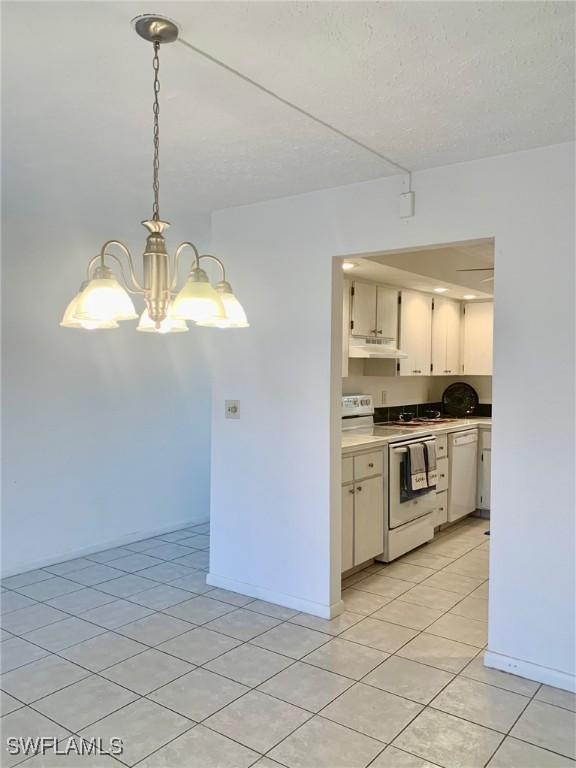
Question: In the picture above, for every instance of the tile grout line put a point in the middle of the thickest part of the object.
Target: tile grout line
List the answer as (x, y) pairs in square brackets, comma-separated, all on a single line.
[(145, 696), (302, 659), (140, 697)]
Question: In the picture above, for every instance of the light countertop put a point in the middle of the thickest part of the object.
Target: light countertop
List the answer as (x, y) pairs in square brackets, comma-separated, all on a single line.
[(382, 434)]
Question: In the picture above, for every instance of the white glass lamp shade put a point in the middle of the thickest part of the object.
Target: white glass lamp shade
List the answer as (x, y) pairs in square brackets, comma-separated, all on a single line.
[(235, 317), (69, 320), (104, 300), (198, 301), (170, 324)]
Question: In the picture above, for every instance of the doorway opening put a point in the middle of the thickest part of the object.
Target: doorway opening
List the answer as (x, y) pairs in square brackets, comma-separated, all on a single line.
[(412, 496)]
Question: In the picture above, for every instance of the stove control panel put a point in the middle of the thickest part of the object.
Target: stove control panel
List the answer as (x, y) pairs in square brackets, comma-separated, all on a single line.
[(357, 405)]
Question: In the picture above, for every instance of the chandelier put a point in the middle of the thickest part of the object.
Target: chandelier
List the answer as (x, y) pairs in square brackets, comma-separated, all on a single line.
[(102, 302)]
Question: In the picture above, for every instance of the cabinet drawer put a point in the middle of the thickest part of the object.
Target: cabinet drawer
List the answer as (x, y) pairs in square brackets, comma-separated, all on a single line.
[(408, 537), (441, 512), (442, 484), (486, 439), (442, 446), (347, 469), (368, 464)]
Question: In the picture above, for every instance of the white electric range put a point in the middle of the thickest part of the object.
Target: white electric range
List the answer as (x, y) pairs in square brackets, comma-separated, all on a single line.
[(407, 523)]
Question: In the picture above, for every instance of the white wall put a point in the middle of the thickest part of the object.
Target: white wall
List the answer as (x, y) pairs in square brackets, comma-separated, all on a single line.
[(106, 435), (276, 470)]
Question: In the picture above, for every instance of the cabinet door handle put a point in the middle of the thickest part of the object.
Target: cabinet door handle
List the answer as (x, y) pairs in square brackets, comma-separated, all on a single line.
[(359, 488), (351, 490), (371, 465), (442, 475), (380, 332)]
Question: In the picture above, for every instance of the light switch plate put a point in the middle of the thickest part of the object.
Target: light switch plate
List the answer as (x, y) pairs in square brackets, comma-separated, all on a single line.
[(232, 409)]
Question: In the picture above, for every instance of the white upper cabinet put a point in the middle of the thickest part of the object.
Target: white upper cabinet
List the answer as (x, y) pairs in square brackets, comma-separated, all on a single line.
[(364, 299), (477, 346), (346, 299), (374, 311), (386, 313), (446, 318), (416, 333), (448, 340)]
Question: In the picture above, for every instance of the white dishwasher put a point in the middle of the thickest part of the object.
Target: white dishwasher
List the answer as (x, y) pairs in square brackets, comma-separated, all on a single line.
[(463, 464)]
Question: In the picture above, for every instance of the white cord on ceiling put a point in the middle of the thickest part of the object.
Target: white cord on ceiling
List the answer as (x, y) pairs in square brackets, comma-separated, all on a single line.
[(302, 111)]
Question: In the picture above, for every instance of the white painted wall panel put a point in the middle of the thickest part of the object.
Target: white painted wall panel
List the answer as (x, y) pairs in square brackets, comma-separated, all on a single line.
[(276, 471), (106, 435)]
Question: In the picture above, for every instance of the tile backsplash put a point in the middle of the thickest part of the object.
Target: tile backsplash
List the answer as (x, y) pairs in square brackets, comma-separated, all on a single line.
[(383, 414), (411, 390)]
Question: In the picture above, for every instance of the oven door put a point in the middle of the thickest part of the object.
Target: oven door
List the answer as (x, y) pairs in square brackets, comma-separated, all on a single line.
[(403, 512)]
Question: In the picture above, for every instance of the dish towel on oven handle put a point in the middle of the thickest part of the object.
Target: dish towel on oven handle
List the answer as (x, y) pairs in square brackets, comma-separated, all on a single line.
[(431, 467), (418, 478)]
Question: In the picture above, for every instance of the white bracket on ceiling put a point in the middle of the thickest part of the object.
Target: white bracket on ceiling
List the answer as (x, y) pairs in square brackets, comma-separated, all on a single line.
[(407, 198)]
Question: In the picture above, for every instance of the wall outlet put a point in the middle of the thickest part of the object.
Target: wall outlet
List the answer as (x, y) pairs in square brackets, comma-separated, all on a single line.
[(232, 409), (383, 397)]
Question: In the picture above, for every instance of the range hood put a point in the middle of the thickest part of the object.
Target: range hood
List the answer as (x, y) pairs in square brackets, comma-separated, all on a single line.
[(374, 348)]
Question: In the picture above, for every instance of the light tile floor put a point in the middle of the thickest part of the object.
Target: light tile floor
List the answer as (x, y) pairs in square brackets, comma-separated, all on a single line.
[(133, 643)]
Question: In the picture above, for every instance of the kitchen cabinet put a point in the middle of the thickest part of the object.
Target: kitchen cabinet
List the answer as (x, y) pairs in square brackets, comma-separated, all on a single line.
[(374, 310), (416, 333), (346, 300), (441, 512), (368, 464), (363, 309), (347, 469), (442, 468), (477, 339), (484, 469), (441, 447), (347, 527), (387, 312), (446, 322), (368, 519), (362, 508)]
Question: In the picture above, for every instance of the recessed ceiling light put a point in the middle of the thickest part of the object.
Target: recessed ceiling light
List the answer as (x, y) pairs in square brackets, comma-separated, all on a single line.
[(347, 266), (440, 290), (469, 296)]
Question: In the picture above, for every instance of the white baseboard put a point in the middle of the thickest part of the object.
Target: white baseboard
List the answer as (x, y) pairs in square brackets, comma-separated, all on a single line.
[(107, 544), (531, 671), (279, 598)]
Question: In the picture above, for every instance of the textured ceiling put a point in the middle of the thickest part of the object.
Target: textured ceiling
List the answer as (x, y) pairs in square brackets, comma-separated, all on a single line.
[(426, 83)]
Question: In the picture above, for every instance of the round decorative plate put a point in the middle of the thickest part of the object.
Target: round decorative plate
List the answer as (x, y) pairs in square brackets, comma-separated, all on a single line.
[(460, 399)]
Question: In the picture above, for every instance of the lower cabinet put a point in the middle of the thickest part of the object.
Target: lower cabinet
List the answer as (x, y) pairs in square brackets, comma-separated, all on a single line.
[(441, 512), (368, 519), (362, 509), (347, 527), (443, 471), (484, 469)]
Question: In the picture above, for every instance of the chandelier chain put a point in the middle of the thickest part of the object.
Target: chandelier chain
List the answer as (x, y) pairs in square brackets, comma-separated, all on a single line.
[(156, 133)]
